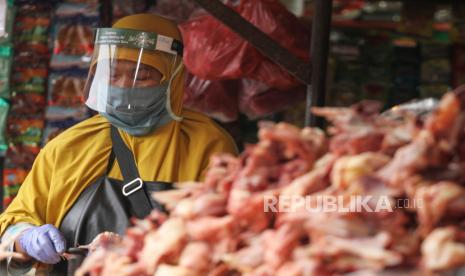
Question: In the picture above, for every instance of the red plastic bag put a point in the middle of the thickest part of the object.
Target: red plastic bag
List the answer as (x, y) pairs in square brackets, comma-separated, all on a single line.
[(256, 99), (213, 51), (217, 99)]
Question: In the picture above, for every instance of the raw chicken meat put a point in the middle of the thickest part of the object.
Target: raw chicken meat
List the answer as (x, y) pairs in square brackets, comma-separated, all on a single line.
[(235, 223)]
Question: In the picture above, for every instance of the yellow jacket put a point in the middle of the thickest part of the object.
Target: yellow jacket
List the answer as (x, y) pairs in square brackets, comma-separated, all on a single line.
[(178, 151)]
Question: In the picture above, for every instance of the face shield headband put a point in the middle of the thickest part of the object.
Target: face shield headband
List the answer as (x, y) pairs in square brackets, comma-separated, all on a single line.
[(138, 40)]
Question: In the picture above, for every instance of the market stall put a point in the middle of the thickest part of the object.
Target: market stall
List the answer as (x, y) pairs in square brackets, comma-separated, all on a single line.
[(349, 118)]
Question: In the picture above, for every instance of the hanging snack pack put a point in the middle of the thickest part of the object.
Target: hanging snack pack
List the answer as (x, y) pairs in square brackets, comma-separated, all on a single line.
[(31, 29), (25, 130), (3, 120), (72, 34), (30, 78), (5, 70), (28, 86), (65, 89), (27, 105), (73, 43), (12, 180)]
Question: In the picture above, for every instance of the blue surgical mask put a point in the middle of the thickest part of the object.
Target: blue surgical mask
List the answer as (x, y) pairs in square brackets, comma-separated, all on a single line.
[(138, 111)]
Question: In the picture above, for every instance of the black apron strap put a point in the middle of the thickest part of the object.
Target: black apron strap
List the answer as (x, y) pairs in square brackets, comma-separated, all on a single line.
[(133, 188)]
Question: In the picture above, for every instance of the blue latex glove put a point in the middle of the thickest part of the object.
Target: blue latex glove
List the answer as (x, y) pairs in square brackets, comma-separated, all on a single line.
[(44, 243)]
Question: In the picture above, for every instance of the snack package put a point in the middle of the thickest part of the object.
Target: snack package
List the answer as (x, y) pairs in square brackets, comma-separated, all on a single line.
[(27, 105), (21, 156), (3, 120), (32, 28), (73, 42), (5, 70), (12, 180), (54, 128), (30, 78), (24, 130), (65, 89), (22, 58)]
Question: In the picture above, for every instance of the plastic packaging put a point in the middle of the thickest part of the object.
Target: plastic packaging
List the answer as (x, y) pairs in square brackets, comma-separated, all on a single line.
[(31, 28), (256, 99), (3, 120), (24, 130), (27, 105), (65, 89), (5, 70), (176, 10), (73, 42), (213, 51), (12, 180), (21, 156), (218, 99), (30, 78)]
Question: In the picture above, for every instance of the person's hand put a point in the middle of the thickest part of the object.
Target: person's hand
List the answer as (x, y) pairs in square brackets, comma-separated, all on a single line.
[(44, 243)]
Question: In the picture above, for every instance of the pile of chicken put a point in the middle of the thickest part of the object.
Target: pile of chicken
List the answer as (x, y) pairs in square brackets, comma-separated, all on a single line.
[(220, 227)]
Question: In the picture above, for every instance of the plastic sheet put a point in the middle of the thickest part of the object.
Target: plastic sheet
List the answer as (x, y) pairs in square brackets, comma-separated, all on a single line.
[(176, 10), (213, 51), (218, 99), (256, 99)]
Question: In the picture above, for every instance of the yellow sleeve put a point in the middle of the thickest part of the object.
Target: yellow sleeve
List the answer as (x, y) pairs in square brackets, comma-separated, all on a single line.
[(30, 204)]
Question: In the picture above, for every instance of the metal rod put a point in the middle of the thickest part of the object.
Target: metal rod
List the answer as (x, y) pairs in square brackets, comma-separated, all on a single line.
[(321, 28), (266, 45)]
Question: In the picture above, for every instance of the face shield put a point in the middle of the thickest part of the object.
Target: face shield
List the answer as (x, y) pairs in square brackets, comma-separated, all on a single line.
[(131, 72)]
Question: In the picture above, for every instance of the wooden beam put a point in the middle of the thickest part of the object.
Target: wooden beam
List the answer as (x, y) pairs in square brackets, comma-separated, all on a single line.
[(316, 93)]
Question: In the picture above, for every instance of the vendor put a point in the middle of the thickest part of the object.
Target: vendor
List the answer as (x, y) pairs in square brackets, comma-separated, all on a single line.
[(136, 83)]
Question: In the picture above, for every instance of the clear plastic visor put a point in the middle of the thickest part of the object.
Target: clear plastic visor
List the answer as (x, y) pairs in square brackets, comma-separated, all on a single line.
[(122, 72)]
